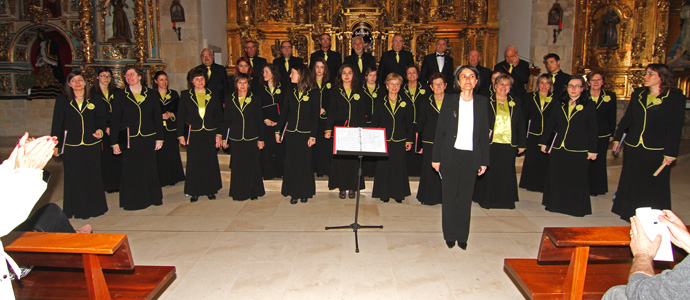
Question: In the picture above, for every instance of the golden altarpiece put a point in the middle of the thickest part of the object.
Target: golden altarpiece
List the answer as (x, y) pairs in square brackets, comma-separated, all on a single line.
[(621, 37), (467, 24), (39, 35)]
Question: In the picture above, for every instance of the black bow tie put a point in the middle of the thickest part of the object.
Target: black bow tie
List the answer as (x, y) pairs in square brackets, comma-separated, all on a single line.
[(440, 55)]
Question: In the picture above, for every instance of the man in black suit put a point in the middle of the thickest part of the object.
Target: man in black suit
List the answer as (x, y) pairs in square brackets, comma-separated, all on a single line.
[(559, 78), (516, 68), (258, 63), (333, 59), (438, 62), (286, 62), (394, 61), (359, 60), (473, 59), (217, 75)]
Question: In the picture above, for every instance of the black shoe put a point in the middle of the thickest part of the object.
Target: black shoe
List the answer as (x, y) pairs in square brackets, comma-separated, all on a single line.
[(398, 200), (212, 197), (341, 195), (193, 199), (450, 244), (293, 200), (304, 200), (462, 245), (254, 198), (351, 194), (385, 200)]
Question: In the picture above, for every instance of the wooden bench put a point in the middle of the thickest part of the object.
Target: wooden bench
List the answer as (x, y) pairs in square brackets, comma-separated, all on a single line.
[(82, 266), (576, 263)]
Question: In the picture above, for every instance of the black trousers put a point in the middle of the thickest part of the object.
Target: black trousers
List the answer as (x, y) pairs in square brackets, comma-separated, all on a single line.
[(457, 189), (49, 218)]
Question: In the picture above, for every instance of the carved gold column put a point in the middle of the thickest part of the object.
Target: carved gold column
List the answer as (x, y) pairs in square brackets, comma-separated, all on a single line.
[(301, 11), (86, 25), (245, 9), (140, 35)]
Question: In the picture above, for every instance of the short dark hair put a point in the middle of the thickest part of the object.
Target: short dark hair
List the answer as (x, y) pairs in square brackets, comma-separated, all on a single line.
[(456, 75), (584, 96), (111, 86), (369, 69), (552, 55), (139, 71), (437, 75), (241, 76), (196, 72), (154, 84)]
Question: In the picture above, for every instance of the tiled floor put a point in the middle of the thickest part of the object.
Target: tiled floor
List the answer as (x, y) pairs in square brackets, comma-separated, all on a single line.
[(269, 249)]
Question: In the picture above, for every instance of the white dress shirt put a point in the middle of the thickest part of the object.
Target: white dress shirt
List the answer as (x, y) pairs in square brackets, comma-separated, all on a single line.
[(463, 139)]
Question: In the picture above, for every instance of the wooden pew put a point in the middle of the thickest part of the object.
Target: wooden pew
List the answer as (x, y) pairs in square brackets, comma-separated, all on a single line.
[(576, 263), (82, 266)]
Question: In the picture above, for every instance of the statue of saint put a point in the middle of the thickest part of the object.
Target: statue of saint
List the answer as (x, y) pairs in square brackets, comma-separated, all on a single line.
[(609, 35), (122, 33)]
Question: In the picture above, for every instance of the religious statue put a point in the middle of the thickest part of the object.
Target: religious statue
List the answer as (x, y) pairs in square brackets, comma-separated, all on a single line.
[(609, 34), (122, 33), (679, 57)]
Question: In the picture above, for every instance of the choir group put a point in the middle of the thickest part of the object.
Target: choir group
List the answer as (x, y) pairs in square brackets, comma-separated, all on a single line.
[(276, 120)]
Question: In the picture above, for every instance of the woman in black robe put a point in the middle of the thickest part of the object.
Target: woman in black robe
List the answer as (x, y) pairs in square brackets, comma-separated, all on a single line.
[(395, 115), (322, 152), (417, 95), (169, 162), (79, 124), (270, 94), (606, 122), (429, 190), (574, 123), (199, 127), (137, 133), (652, 126), (347, 109), (497, 188), (538, 107), (243, 120), (299, 123), (370, 93), (111, 164)]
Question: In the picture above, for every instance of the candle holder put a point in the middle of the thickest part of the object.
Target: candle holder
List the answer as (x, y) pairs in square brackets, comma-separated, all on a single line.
[(178, 31), (556, 33)]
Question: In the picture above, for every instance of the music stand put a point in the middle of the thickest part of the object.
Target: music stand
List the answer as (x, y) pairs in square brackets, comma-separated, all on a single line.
[(359, 141)]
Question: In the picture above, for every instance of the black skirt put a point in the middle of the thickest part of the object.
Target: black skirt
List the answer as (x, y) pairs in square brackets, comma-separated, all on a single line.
[(638, 187), (322, 152), (139, 185), (169, 162), (203, 171), (391, 179), (245, 166), (598, 177), (429, 191), (111, 167), (534, 166), (497, 187), (83, 191), (344, 170), (272, 155), (414, 163), (298, 181), (567, 187)]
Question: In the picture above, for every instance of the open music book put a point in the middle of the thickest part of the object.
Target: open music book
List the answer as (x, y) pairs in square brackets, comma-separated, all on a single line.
[(359, 141)]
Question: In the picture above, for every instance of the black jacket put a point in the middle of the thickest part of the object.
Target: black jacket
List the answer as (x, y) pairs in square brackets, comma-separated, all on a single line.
[(520, 74), (335, 60), (397, 122), (271, 102), (285, 74), (80, 124), (560, 85), (518, 134), (367, 61), (258, 63), (188, 114), (170, 103), (142, 119), (370, 99), (427, 119), (344, 109), (447, 129), (535, 115), (300, 113), (218, 82), (245, 123), (607, 107), (430, 66), (484, 81), (419, 98), (577, 133), (389, 64), (657, 127)]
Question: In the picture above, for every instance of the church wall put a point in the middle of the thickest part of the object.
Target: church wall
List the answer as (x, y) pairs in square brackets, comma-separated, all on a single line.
[(213, 25), (542, 34), (183, 55), (515, 22)]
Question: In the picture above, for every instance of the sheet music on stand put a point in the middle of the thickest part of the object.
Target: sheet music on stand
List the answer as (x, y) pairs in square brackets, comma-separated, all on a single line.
[(360, 141)]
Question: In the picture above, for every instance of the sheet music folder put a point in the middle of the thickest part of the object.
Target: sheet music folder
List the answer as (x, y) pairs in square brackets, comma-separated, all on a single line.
[(359, 141)]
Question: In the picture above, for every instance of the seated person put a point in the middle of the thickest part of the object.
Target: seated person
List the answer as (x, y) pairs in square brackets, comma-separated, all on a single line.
[(50, 218), (643, 283)]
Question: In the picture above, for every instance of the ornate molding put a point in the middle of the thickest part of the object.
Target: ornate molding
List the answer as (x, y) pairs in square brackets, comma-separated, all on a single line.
[(140, 35), (86, 25)]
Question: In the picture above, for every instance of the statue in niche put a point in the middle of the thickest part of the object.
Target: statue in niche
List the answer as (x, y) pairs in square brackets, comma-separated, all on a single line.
[(609, 34), (679, 57), (122, 33)]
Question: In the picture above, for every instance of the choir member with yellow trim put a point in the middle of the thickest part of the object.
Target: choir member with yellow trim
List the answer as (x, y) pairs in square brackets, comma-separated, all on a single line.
[(170, 169), (607, 107), (538, 106), (429, 190), (110, 163), (322, 152), (270, 95)]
